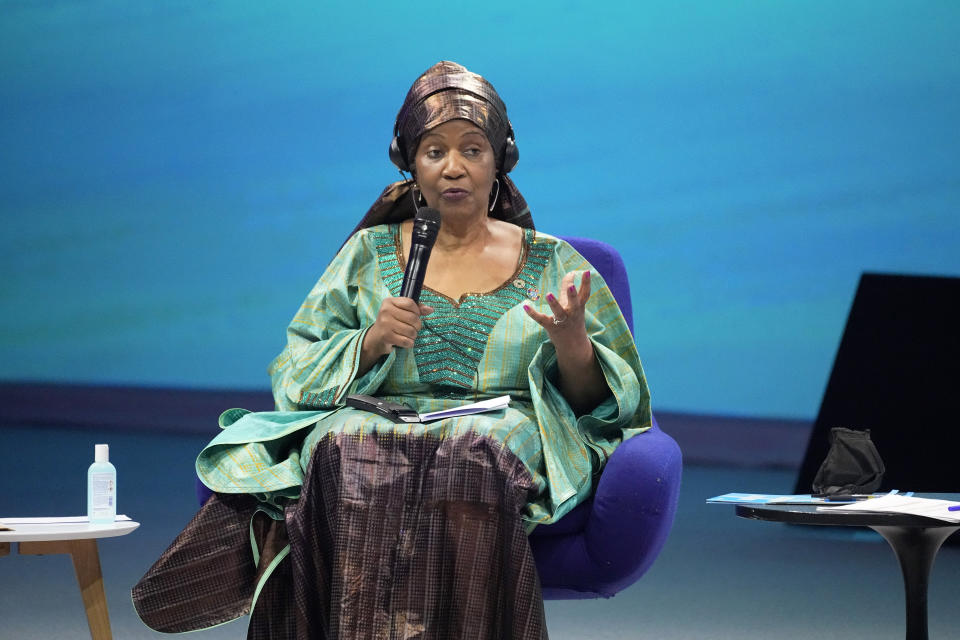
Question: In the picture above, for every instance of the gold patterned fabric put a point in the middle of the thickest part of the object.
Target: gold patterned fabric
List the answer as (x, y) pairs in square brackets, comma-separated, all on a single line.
[(416, 538), (448, 91)]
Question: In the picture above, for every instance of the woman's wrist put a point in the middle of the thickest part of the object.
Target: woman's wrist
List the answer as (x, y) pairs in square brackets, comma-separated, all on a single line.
[(371, 349), (580, 377), (574, 354)]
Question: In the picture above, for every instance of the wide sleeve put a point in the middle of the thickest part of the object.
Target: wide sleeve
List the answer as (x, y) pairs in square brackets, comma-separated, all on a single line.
[(625, 411), (319, 366)]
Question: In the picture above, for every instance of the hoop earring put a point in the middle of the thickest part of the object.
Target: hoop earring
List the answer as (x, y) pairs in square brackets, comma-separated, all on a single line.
[(496, 193), (417, 196)]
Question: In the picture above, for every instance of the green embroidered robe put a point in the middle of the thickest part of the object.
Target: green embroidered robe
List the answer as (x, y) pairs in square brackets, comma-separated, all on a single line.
[(481, 346)]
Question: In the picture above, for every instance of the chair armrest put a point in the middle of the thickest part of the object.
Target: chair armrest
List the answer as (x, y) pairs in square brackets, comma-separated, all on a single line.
[(633, 511)]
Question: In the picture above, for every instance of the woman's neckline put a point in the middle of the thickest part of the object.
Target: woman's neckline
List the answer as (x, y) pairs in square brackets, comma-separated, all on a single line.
[(521, 263)]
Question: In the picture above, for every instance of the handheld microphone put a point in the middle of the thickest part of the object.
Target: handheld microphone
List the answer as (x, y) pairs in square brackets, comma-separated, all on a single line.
[(425, 228)]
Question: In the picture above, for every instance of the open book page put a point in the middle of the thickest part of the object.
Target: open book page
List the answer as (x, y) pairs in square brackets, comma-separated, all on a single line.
[(493, 404)]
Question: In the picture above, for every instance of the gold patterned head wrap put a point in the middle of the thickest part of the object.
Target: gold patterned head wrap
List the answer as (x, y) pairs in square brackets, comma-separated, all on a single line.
[(448, 91)]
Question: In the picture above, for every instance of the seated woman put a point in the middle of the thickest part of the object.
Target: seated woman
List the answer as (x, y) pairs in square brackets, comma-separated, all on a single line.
[(362, 528)]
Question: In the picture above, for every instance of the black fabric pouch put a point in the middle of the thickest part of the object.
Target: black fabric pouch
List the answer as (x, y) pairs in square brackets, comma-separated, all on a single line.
[(852, 465)]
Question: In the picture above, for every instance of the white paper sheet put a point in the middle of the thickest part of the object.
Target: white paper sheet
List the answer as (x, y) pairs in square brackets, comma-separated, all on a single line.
[(54, 520), (492, 404), (776, 498), (928, 507)]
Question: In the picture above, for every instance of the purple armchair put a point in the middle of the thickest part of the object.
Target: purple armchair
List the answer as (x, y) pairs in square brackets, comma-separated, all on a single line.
[(606, 543)]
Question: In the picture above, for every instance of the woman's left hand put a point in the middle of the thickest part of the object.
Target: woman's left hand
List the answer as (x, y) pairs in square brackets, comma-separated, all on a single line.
[(566, 327), (580, 378)]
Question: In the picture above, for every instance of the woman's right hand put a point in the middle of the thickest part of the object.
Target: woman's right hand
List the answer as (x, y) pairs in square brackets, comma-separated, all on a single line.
[(397, 325)]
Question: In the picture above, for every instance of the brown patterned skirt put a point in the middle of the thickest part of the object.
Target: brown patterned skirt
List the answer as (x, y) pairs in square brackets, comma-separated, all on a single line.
[(393, 537)]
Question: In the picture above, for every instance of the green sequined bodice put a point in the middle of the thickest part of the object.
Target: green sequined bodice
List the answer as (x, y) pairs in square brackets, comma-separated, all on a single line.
[(454, 337)]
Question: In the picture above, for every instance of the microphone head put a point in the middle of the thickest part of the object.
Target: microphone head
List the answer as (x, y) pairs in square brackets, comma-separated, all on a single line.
[(426, 225)]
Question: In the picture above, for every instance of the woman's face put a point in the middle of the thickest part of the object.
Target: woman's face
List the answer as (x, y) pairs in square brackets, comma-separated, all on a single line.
[(456, 168)]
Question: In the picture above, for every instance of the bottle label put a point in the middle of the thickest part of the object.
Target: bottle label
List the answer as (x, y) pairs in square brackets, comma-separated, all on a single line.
[(103, 490)]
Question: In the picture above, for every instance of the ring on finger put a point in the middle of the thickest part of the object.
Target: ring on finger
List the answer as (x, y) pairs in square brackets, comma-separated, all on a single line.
[(558, 321)]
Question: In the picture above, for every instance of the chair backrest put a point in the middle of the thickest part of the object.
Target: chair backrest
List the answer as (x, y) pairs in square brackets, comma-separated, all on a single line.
[(608, 262)]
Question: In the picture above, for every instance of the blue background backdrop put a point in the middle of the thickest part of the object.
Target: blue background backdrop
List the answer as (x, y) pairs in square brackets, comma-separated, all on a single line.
[(174, 176)]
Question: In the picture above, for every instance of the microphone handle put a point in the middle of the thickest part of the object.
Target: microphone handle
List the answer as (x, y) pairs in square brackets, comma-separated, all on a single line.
[(414, 273)]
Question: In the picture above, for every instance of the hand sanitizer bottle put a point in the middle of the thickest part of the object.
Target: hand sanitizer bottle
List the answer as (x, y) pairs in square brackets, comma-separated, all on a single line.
[(102, 487)]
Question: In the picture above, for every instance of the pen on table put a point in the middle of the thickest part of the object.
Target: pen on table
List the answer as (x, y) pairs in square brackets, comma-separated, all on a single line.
[(955, 507)]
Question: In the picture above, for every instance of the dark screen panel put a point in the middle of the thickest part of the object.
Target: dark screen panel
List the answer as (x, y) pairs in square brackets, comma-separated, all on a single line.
[(896, 373)]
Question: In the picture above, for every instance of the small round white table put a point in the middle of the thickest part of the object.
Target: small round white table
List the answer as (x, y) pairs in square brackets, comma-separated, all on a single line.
[(78, 538)]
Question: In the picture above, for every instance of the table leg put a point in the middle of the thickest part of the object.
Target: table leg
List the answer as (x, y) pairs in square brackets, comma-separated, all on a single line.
[(86, 564), (915, 548), (4, 548)]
